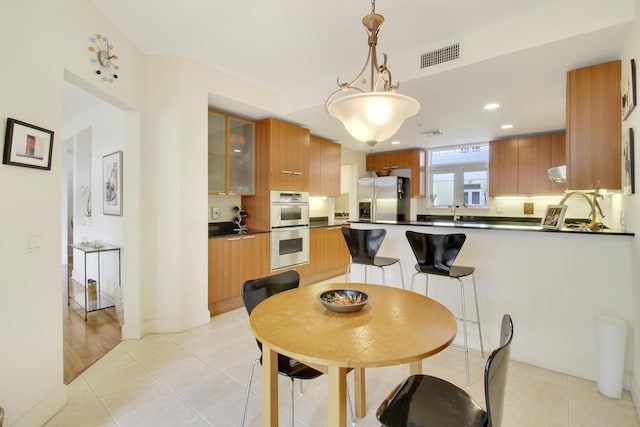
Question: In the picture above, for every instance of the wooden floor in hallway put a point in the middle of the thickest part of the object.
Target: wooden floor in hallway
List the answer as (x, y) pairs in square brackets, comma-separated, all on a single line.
[(86, 341)]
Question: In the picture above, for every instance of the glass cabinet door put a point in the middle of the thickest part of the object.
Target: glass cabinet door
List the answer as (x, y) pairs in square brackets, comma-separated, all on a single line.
[(216, 153), (241, 149)]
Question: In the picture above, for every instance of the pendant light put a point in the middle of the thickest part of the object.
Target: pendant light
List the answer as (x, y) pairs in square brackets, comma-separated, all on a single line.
[(372, 116)]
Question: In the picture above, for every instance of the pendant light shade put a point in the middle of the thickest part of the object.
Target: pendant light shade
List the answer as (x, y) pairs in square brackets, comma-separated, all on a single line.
[(371, 116), (374, 116)]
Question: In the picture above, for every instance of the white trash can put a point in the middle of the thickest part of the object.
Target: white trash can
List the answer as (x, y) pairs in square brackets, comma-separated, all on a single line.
[(611, 340)]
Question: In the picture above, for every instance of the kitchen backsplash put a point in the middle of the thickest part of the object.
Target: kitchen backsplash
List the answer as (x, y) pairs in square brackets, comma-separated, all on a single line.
[(225, 205)]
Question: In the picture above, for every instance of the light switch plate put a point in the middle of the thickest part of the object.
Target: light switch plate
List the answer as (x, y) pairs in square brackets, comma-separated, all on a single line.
[(215, 213)]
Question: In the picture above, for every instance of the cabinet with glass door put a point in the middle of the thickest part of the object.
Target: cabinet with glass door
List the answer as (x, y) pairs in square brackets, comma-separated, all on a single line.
[(231, 155)]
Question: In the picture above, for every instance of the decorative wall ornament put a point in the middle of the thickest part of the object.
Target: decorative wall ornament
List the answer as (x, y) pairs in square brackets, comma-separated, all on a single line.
[(104, 58), (27, 145), (112, 183), (628, 89), (628, 167)]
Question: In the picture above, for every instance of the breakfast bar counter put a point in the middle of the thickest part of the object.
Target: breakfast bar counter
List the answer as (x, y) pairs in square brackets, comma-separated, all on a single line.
[(552, 283)]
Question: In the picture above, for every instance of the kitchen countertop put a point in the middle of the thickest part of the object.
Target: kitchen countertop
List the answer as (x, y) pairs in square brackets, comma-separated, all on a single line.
[(495, 223), (222, 229)]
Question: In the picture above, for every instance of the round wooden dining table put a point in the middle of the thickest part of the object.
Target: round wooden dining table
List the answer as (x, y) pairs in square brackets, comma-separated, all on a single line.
[(396, 326)]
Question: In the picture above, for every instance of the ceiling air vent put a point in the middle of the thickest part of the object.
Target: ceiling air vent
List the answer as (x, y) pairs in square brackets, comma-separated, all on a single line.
[(439, 56)]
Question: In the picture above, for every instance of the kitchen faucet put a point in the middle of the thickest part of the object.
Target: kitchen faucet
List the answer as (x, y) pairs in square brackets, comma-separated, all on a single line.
[(455, 215)]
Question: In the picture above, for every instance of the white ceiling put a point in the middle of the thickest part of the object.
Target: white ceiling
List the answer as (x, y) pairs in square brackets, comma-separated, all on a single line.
[(515, 52)]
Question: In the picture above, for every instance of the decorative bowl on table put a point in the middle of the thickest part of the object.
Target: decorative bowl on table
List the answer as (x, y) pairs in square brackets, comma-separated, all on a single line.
[(343, 300)]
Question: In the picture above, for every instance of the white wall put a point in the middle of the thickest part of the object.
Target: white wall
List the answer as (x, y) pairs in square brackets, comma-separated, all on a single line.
[(632, 204), (42, 39)]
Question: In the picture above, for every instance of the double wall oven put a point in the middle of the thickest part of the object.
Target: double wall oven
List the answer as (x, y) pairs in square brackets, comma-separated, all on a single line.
[(289, 229)]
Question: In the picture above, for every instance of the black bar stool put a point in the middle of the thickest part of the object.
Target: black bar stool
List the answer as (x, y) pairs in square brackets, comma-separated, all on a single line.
[(435, 254), (363, 246)]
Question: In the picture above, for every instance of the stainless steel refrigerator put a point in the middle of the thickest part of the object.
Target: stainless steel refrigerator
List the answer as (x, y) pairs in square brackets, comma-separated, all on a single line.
[(385, 198)]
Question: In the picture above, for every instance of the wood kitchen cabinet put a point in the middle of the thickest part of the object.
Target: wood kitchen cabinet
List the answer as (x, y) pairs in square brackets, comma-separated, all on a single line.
[(328, 254), (593, 127), (231, 155), (284, 153), (324, 167), (518, 166), (503, 167), (282, 163), (233, 260), (416, 160)]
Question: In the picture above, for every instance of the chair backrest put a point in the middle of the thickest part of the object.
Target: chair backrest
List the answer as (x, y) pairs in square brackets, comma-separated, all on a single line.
[(435, 252), (255, 291), (363, 244), (495, 374)]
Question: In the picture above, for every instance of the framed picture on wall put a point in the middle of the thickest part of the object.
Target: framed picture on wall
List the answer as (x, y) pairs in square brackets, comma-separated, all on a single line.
[(553, 218), (628, 168), (27, 145), (628, 89), (112, 183)]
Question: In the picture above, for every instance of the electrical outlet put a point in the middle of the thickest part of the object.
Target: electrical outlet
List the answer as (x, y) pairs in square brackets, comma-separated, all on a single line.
[(528, 208), (215, 213)]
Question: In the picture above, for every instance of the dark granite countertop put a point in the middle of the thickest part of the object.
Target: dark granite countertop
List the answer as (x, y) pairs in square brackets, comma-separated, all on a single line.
[(497, 223), (221, 229), (323, 221)]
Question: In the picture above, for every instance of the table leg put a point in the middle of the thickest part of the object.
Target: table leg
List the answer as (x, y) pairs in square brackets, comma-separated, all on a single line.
[(415, 367), (337, 396), (360, 392), (269, 386)]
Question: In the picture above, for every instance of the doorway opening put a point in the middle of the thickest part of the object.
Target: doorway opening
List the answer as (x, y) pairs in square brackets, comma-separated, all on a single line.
[(92, 128)]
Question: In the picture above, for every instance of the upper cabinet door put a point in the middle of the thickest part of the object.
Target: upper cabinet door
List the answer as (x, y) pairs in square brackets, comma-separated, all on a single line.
[(217, 156), (593, 127), (324, 168), (241, 149), (231, 155)]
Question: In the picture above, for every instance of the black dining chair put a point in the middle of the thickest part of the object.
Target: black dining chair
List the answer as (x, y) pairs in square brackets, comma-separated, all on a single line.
[(435, 255), (424, 400), (253, 293), (363, 247)]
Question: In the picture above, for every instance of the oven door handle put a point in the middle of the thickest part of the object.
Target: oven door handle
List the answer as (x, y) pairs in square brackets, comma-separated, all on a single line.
[(292, 228)]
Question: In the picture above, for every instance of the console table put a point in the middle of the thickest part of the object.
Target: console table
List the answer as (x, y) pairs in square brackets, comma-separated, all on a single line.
[(87, 299)]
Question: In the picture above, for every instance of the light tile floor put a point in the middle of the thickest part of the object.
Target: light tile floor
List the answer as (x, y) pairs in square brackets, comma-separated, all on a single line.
[(198, 378)]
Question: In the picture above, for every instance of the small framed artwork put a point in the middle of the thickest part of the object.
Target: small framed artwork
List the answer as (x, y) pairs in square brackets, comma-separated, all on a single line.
[(553, 218), (628, 89), (27, 145), (628, 168), (112, 183)]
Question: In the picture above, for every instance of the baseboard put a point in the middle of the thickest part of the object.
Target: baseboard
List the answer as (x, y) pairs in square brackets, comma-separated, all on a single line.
[(42, 411), (178, 324), (635, 394)]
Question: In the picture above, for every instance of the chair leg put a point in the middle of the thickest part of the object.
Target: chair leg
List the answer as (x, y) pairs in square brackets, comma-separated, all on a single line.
[(346, 275), (246, 398), (350, 405), (401, 274), (464, 329), (291, 392), (384, 281), (475, 296), (426, 282)]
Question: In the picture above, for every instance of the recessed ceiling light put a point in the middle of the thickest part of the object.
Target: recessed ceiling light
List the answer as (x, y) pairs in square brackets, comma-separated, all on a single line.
[(395, 142), (491, 106), (506, 126)]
